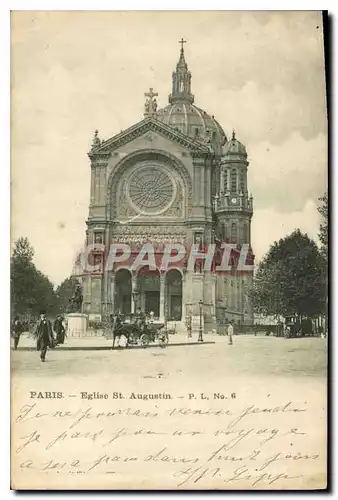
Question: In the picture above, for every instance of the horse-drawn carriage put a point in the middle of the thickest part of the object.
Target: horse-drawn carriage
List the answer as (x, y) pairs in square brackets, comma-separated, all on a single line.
[(137, 333)]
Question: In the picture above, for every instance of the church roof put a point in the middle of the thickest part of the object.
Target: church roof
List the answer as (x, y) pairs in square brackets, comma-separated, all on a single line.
[(146, 125), (192, 121)]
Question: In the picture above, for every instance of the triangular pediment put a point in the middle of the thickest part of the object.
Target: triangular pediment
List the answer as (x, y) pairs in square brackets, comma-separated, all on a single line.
[(149, 125)]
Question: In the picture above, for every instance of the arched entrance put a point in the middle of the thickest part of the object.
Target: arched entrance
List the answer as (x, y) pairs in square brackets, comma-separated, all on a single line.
[(149, 289), (174, 295), (123, 285)]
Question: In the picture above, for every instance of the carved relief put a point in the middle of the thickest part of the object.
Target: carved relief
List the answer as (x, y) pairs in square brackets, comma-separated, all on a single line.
[(142, 234)]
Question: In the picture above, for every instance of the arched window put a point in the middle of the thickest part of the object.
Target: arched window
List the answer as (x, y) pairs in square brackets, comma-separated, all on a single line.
[(233, 232), (233, 180)]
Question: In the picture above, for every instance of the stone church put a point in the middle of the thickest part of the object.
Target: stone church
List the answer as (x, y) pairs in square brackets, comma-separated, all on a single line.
[(173, 177)]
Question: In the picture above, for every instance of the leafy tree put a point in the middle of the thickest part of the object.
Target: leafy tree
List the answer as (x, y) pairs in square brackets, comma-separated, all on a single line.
[(323, 235), (23, 250), (289, 279), (30, 289)]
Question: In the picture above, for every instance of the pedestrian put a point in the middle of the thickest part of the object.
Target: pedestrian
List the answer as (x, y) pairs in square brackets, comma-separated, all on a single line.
[(230, 332), (59, 330), (17, 330), (44, 336)]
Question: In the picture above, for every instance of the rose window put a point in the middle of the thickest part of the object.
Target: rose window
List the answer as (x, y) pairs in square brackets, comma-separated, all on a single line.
[(151, 189)]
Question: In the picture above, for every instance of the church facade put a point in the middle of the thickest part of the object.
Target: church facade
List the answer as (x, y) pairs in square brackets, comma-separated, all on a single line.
[(172, 178)]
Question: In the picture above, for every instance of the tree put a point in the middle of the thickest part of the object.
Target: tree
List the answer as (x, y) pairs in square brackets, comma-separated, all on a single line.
[(289, 279), (65, 291), (323, 235), (30, 289), (23, 251)]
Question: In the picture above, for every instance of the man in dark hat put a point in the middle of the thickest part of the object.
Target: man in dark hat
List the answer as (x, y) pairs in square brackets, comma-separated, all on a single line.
[(44, 335), (17, 330), (59, 330)]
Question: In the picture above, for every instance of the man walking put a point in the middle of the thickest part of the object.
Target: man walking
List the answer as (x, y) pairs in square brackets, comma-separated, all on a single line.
[(230, 332), (17, 330), (44, 336)]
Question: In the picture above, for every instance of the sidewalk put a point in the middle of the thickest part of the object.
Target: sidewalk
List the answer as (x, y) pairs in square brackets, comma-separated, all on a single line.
[(101, 343)]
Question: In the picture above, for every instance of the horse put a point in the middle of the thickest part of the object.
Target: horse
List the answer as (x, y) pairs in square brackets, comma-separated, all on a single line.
[(128, 330)]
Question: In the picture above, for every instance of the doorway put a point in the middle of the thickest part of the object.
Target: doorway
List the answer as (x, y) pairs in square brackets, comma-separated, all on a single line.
[(149, 286), (152, 303)]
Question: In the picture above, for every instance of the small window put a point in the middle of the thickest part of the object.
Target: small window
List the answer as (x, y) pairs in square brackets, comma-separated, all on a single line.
[(197, 132), (214, 136)]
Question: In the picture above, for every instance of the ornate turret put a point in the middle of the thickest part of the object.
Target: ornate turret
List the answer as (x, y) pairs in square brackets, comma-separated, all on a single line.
[(234, 150), (181, 90)]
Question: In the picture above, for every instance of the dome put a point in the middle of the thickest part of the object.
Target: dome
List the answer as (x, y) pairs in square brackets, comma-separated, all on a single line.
[(234, 149), (192, 121)]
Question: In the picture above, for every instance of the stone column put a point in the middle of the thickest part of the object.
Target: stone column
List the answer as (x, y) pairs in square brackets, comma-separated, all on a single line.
[(112, 292), (184, 298), (162, 296), (133, 289), (198, 187)]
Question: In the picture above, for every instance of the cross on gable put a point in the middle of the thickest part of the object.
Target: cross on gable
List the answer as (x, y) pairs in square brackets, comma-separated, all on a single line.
[(151, 93)]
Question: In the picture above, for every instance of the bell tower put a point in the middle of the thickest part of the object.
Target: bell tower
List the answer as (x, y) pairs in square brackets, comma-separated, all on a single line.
[(233, 205), (181, 86)]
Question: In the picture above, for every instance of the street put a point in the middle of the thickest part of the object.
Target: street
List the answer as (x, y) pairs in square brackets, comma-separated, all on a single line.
[(249, 356)]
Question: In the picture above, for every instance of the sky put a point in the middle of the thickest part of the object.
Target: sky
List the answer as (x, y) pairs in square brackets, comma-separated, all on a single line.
[(72, 72)]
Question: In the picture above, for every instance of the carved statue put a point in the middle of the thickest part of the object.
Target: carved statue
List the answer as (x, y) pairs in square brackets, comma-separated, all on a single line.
[(96, 140), (147, 106), (154, 105), (75, 302)]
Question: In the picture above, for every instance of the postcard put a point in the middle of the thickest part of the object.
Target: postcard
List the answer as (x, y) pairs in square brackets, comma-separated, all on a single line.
[(169, 233)]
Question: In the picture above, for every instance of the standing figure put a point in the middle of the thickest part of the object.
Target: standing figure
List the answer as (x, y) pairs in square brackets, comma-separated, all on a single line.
[(230, 333), (140, 319), (59, 330), (17, 329), (44, 336)]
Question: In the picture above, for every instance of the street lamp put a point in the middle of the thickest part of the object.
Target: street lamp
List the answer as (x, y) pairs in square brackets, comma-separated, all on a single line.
[(200, 333)]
